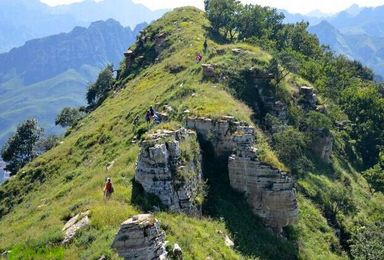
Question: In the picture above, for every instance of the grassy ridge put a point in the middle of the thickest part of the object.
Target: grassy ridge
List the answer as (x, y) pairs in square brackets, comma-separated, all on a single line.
[(68, 179)]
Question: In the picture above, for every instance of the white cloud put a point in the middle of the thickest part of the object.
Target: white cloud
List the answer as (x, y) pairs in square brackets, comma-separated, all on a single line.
[(299, 6)]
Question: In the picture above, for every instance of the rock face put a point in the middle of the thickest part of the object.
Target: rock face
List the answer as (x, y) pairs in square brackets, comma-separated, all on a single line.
[(160, 42), (73, 225), (129, 58), (208, 70), (140, 238), (162, 170), (308, 98), (270, 192), (322, 146)]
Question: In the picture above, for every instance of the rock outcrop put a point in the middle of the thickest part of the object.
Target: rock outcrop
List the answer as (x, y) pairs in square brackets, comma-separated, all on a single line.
[(129, 58), (322, 145), (219, 133), (73, 225), (208, 70), (164, 170), (308, 98), (270, 192), (140, 238), (160, 42)]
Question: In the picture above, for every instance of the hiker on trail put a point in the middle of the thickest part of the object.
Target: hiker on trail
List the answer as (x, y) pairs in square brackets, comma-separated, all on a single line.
[(108, 189), (152, 111), (199, 57), (205, 45), (148, 116), (156, 118)]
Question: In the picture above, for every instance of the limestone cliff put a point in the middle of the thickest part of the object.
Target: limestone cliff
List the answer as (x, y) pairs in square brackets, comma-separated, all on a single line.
[(270, 192), (169, 167)]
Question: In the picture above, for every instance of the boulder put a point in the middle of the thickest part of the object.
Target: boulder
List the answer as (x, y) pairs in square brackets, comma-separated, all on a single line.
[(140, 238), (177, 253), (208, 70), (73, 225), (228, 242), (236, 51)]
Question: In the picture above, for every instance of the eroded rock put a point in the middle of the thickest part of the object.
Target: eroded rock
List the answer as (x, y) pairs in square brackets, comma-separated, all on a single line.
[(269, 191), (308, 98), (129, 58), (141, 238), (208, 70), (73, 225), (160, 42), (163, 169), (322, 146)]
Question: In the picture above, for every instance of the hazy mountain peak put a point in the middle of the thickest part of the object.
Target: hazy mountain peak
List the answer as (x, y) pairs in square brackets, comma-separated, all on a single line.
[(354, 10)]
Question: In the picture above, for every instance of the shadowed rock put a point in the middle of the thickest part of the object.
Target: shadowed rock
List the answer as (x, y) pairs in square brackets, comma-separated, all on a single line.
[(140, 238)]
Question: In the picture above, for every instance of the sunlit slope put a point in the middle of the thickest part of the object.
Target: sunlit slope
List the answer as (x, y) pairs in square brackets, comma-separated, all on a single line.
[(36, 203)]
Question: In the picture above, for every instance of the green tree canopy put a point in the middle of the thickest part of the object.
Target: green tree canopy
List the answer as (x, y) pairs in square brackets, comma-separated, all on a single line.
[(98, 91), (68, 117), (21, 147)]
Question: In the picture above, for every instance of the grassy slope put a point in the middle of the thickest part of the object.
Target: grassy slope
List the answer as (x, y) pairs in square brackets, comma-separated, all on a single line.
[(69, 178)]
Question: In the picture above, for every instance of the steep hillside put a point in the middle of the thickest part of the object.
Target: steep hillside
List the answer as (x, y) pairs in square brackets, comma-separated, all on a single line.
[(47, 74), (36, 203)]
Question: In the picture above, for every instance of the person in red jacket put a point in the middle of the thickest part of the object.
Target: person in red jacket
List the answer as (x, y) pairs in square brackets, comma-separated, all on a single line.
[(108, 188)]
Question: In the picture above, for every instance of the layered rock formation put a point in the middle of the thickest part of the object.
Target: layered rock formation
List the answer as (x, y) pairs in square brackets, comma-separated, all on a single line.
[(140, 238), (166, 170), (270, 192)]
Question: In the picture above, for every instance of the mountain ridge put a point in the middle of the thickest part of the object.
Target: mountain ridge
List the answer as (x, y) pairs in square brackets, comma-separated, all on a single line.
[(25, 20), (163, 73), (56, 69)]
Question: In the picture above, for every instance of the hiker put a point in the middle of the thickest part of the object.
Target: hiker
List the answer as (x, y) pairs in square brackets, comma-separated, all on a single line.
[(205, 45), (152, 111), (156, 118), (108, 189), (148, 116), (199, 57)]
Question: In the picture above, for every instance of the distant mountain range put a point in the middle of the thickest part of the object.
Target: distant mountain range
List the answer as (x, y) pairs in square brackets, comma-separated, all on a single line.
[(47, 74), (23, 20), (357, 32)]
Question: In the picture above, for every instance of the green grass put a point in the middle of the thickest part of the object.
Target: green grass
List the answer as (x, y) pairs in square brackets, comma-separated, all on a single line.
[(69, 179)]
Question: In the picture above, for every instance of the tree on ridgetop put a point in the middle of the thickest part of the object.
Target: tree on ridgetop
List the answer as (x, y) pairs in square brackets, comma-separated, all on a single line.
[(98, 91), (223, 15), (21, 147), (68, 117)]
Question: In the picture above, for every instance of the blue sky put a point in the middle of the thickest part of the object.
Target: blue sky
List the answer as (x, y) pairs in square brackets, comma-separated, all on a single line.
[(299, 6)]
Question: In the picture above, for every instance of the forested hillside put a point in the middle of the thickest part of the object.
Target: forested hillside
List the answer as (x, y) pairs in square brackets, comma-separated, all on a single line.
[(316, 119)]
